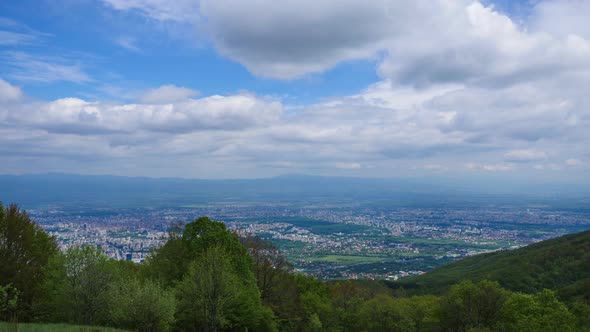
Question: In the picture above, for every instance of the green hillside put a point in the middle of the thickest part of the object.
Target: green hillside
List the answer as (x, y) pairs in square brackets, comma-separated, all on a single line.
[(9, 327), (561, 264)]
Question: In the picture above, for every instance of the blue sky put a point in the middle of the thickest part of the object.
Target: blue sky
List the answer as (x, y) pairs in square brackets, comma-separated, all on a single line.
[(127, 50), (236, 88)]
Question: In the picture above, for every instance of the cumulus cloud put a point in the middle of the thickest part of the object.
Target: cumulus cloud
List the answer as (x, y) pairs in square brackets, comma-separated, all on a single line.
[(421, 42), (480, 47), (462, 86), (167, 94), (287, 39), (9, 92), (77, 116), (561, 18), (384, 126)]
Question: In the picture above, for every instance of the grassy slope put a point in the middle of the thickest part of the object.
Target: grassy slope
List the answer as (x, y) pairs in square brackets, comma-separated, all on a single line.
[(8, 327), (561, 264)]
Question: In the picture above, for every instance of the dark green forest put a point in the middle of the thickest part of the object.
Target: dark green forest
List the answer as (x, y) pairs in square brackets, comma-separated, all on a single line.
[(561, 264), (206, 278)]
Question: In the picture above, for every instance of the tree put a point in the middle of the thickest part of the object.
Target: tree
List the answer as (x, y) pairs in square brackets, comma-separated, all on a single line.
[(269, 266), (276, 282), (581, 311), (8, 302), (214, 297), (143, 307), (169, 263), (77, 287), (385, 313), (540, 312), (469, 305), (422, 311), (318, 310), (25, 249), (203, 233)]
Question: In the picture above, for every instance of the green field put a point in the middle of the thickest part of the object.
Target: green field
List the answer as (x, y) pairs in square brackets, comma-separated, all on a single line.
[(348, 259), (29, 327), (323, 227)]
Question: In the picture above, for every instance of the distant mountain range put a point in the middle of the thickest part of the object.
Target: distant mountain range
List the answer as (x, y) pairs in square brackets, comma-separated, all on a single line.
[(561, 264), (119, 191)]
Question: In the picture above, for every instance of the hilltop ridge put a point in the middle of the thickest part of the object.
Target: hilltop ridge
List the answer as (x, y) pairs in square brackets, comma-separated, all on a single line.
[(561, 264)]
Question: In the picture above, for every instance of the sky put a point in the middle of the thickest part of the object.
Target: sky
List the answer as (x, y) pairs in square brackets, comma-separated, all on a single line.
[(260, 88)]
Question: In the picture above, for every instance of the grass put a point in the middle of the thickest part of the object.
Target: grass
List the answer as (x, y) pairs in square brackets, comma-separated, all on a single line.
[(35, 327), (348, 259)]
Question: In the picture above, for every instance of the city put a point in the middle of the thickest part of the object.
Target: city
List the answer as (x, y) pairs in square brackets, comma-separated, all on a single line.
[(347, 241)]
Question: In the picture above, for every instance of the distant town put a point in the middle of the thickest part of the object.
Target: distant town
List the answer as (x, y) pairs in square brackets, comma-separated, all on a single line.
[(328, 241)]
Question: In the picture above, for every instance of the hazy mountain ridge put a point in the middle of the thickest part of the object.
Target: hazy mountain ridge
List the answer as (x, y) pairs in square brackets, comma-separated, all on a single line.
[(97, 190)]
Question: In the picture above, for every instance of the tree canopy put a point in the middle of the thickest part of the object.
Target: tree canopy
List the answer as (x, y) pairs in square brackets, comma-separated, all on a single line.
[(206, 278)]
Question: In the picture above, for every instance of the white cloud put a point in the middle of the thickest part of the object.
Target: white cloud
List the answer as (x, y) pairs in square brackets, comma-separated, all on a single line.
[(386, 127), (15, 38), (462, 86), (547, 167), (13, 33), (167, 94), (489, 168), (128, 43), (73, 115), (28, 67), (9, 92), (348, 165), (166, 10), (561, 18), (288, 39), (471, 44), (422, 42)]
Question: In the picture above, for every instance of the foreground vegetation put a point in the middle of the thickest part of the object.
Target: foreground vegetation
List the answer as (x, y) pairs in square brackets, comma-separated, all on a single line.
[(206, 278), (38, 327)]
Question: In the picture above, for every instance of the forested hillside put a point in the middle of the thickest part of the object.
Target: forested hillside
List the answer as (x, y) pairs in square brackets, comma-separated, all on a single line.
[(205, 278), (561, 264)]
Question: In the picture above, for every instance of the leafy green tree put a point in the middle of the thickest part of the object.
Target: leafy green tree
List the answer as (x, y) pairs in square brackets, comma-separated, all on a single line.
[(77, 287), (25, 249), (269, 265), (141, 306), (540, 312), (469, 305), (214, 297), (319, 312), (276, 282), (8, 302), (169, 263), (348, 297), (203, 233), (581, 311), (385, 313), (422, 311)]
